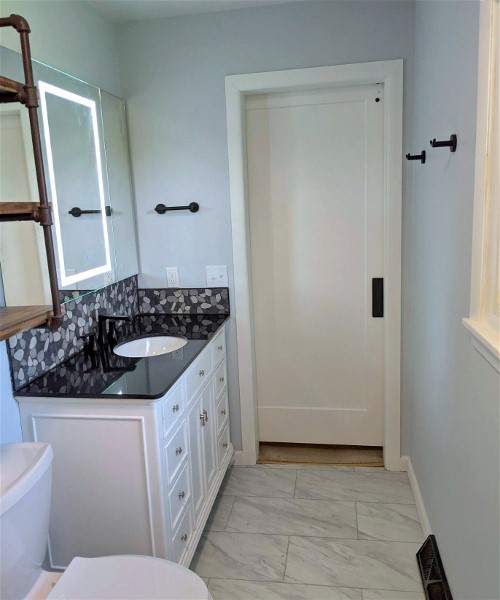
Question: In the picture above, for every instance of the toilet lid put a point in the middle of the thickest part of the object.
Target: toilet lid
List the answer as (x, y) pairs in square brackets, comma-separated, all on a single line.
[(128, 578)]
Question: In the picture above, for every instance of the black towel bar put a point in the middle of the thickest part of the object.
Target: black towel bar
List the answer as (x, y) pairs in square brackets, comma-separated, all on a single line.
[(78, 212), (161, 209)]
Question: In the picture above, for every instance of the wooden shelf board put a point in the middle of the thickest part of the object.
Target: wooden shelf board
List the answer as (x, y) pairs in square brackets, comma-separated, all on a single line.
[(10, 90), (18, 208), (14, 319)]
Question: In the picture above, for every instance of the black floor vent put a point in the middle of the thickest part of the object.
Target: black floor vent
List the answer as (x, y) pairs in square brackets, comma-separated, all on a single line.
[(432, 572)]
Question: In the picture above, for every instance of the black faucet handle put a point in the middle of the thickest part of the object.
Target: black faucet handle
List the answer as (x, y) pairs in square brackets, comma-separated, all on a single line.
[(104, 317), (88, 340), (90, 348)]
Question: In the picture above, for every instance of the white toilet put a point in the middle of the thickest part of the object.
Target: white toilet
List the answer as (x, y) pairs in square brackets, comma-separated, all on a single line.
[(25, 487)]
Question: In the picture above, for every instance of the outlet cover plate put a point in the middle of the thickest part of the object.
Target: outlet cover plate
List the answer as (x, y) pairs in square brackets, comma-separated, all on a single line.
[(172, 277), (217, 276)]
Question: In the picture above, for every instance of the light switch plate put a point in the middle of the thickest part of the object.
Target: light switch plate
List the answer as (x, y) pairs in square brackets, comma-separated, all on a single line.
[(172, 277), (217, 276)]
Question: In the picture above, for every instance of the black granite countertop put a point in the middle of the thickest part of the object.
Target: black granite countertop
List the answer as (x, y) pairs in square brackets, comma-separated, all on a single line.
[(108, 376)]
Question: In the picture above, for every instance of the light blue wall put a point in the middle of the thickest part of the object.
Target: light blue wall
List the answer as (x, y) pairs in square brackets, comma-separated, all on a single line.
[(70, 36), (172, 73), (73, 37), (10, 425), (455, 392)]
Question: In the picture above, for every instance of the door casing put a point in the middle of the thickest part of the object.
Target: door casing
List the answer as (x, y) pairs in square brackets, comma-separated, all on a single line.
[(390, 73)]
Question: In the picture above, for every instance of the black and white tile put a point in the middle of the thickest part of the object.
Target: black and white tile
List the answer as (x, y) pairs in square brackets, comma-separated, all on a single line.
[(184, 301), (34, 352)]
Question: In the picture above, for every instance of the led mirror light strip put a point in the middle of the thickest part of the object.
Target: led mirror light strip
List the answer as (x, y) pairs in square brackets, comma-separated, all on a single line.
[(46, 88)]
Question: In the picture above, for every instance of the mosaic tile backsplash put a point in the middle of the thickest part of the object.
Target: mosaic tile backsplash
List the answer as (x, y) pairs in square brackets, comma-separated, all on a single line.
[(82, 375), (34, 352), (194, 301)]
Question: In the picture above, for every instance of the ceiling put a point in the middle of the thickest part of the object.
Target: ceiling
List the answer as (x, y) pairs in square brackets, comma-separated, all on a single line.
[(124, 11)]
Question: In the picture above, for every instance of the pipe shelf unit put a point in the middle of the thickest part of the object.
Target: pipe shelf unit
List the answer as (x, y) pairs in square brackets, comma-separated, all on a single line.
[(15, 319)]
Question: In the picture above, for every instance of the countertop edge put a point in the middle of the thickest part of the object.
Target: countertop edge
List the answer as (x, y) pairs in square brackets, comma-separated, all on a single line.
[(114, 398)]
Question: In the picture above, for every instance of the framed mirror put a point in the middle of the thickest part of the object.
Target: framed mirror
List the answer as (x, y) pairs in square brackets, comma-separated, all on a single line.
[(86, 160)]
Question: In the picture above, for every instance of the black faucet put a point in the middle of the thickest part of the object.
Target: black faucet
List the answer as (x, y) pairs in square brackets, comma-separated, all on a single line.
[(111, 319)]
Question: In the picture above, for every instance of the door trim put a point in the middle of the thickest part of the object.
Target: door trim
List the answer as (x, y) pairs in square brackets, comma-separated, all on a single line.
[(390, 73)]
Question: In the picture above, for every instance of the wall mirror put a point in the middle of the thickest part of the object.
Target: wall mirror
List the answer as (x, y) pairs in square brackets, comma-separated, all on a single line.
[(86, 160)]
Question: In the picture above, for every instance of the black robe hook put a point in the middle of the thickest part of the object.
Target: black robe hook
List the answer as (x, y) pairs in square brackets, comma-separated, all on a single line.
[(451, 143), (420, 157)]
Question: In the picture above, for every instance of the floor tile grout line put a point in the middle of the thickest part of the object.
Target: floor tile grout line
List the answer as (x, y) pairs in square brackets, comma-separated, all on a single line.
[(295, 482), (286, 558), (231, 512), (342, 500), (275, 497), (320, 537), (322, 499), (319, 585), (356, 516), (270, 581)]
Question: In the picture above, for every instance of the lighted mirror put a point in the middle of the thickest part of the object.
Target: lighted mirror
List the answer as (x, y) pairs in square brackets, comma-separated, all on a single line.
[(86, 161), (76, 183)]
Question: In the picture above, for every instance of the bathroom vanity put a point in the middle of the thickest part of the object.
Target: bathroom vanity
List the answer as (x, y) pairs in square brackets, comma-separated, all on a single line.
[(141, 446)]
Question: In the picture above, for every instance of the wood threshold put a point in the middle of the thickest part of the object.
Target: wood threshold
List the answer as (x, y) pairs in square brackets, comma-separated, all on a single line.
[(15, 319), (320, 454)]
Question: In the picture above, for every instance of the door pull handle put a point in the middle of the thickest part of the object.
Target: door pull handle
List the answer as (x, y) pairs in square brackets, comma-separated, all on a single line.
[(378, 297)]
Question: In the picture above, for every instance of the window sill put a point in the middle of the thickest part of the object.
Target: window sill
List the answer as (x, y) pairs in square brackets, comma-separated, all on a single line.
[(485, 341)]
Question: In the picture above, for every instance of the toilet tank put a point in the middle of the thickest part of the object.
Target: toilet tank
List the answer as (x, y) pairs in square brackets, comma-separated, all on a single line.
[(25, 486)]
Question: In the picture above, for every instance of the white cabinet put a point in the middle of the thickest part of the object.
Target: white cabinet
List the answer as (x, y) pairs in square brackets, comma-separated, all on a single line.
[(195, 421), (136, 476), (209, 443)]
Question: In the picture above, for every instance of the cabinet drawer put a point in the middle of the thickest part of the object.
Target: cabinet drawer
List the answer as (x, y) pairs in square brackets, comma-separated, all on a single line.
[(223, 445), (220, 378), (222, 411), (199, 373), (182, 536), (176, 450), (179, 495), (172, 407), (219, 347)]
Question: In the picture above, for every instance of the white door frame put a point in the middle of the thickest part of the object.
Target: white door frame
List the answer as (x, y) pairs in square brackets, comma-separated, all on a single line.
[(390, 73)]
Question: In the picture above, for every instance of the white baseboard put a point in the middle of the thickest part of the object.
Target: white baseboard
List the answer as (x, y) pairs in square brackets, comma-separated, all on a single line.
[(422, 513), (238, 457)]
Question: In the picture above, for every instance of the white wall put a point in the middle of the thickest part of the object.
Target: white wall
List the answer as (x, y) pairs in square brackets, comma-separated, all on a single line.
[(70, 36), (73, 37), (172, 74), (455, 392)]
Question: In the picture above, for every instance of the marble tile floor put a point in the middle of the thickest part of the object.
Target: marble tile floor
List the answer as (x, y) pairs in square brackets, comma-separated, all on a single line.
[(312, 533)]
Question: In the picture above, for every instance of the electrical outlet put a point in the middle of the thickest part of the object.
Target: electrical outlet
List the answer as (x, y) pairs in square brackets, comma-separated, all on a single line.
[(217, 276), (172, 277)]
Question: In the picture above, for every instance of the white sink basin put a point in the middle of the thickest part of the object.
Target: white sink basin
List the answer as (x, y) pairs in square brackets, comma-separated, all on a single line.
[(150, 346)]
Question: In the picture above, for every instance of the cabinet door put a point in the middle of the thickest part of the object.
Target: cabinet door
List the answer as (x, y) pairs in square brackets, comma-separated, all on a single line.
[(196, 423), (208, 434)]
